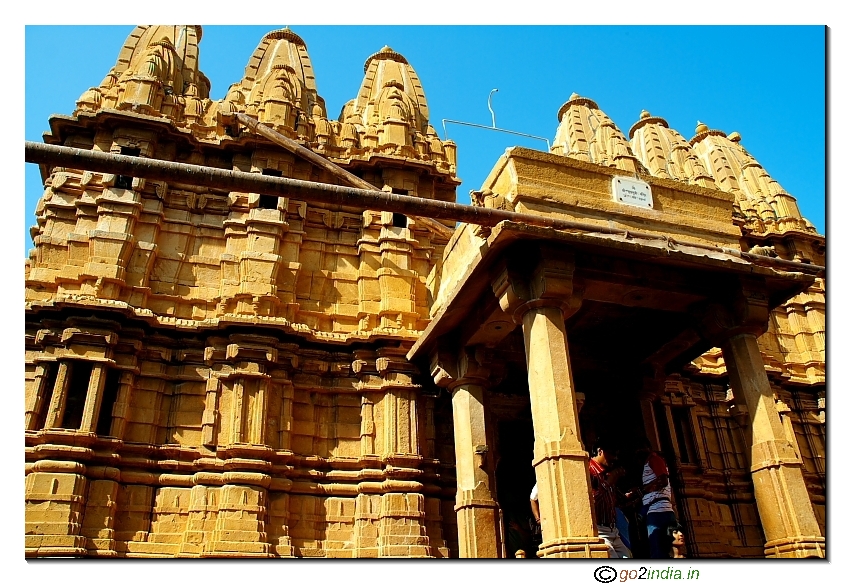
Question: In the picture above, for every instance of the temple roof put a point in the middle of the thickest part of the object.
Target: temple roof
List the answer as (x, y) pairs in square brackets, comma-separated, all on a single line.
[(714, 160), (587, 134), (665, 153), (183, 38), (282, 50), (383, 71), (157, 75)]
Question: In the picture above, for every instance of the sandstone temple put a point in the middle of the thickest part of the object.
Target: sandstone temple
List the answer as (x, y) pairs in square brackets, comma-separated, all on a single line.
[(222, 373)]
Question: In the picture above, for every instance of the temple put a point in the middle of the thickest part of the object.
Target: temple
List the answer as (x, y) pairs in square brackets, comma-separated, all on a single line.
[(212, 373)]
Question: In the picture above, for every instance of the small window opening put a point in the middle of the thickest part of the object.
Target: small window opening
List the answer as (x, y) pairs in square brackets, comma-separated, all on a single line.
[(47, 394), (110, 395), (268, 201), (78, 388), (127, 181), (399, 220), (687, 446)]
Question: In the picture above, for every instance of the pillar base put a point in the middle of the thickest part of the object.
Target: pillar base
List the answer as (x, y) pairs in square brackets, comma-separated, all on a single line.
[(574, 548), (796, 548), (478, 532)]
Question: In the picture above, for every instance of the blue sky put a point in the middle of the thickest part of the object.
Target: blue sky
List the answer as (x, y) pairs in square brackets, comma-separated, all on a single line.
[(765, 82)]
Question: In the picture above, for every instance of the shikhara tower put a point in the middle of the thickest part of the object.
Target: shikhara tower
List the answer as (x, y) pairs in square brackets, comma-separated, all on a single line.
[(216, 374)]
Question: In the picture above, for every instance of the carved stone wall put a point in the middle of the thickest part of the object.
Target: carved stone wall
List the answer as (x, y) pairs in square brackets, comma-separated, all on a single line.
[(704, 432), (214, 373)]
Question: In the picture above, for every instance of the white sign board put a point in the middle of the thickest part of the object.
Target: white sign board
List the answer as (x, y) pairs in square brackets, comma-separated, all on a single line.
[(632, 191)]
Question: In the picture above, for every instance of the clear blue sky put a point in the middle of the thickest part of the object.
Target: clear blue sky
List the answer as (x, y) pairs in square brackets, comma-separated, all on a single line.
[(765, 82)]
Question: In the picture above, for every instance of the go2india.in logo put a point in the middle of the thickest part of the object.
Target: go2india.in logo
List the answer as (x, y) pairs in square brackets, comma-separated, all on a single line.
[(606, 574)]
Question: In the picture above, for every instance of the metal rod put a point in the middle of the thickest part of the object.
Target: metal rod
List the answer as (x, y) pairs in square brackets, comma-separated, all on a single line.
[(333, 169), (490, 106), (494, 129), (230, 180)]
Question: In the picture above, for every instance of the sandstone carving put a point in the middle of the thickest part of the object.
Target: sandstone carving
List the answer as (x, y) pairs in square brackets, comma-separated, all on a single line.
[(213, 373)]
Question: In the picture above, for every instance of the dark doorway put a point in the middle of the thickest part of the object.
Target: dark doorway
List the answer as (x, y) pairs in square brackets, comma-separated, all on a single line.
[(514, 481)]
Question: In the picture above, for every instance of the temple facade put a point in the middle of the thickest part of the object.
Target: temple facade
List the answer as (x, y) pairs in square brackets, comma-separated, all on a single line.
[(213, 373)]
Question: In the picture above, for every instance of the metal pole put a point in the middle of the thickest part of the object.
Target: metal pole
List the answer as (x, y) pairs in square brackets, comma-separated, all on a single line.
[(230, 180)]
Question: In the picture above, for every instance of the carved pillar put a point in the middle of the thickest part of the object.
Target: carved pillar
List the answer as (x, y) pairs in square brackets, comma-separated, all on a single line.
[(121, 409), (401, 529), (367, 426), (236, 406), (541, 302), (35, 401), (789, 523), (94, 397), (369, 385), (279, 424), (210, 416), (98, 524), (478, 521), (57, 401)]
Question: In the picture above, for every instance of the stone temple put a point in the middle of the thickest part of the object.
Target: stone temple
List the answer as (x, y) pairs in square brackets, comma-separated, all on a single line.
[(212, 373)]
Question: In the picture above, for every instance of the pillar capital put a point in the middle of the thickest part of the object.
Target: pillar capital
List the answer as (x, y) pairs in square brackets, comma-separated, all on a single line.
[(468, 365), (744, 311), (549, 282)]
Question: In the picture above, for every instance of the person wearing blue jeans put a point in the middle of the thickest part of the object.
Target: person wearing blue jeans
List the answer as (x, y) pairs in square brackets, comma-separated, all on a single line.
[(657, 524), (657, 501)]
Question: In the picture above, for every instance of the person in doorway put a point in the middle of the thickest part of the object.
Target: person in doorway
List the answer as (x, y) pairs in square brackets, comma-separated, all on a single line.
[(536, 531), (677, 538), (517, 537), (613, 476), (657, 501), (535, 503), (605, 499)]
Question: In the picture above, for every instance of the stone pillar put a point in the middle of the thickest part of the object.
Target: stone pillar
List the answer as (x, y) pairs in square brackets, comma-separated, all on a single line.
[(541, 303), (57, 401), (121, 409), (94, 397), (401, 526), (98, 524), (35, 400), (478, 520), (790, 527), (209, 419), (477, 512)]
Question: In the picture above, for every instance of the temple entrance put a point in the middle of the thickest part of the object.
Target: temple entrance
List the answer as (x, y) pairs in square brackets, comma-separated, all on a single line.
[(609, 403)]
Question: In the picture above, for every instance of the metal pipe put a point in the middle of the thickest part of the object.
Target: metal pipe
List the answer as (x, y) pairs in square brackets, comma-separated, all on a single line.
[(230, 180)]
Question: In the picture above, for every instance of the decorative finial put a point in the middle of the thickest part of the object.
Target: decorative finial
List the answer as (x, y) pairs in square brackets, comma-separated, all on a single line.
[(701, 127), (735, 137), (574, 96), (644, 114)]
